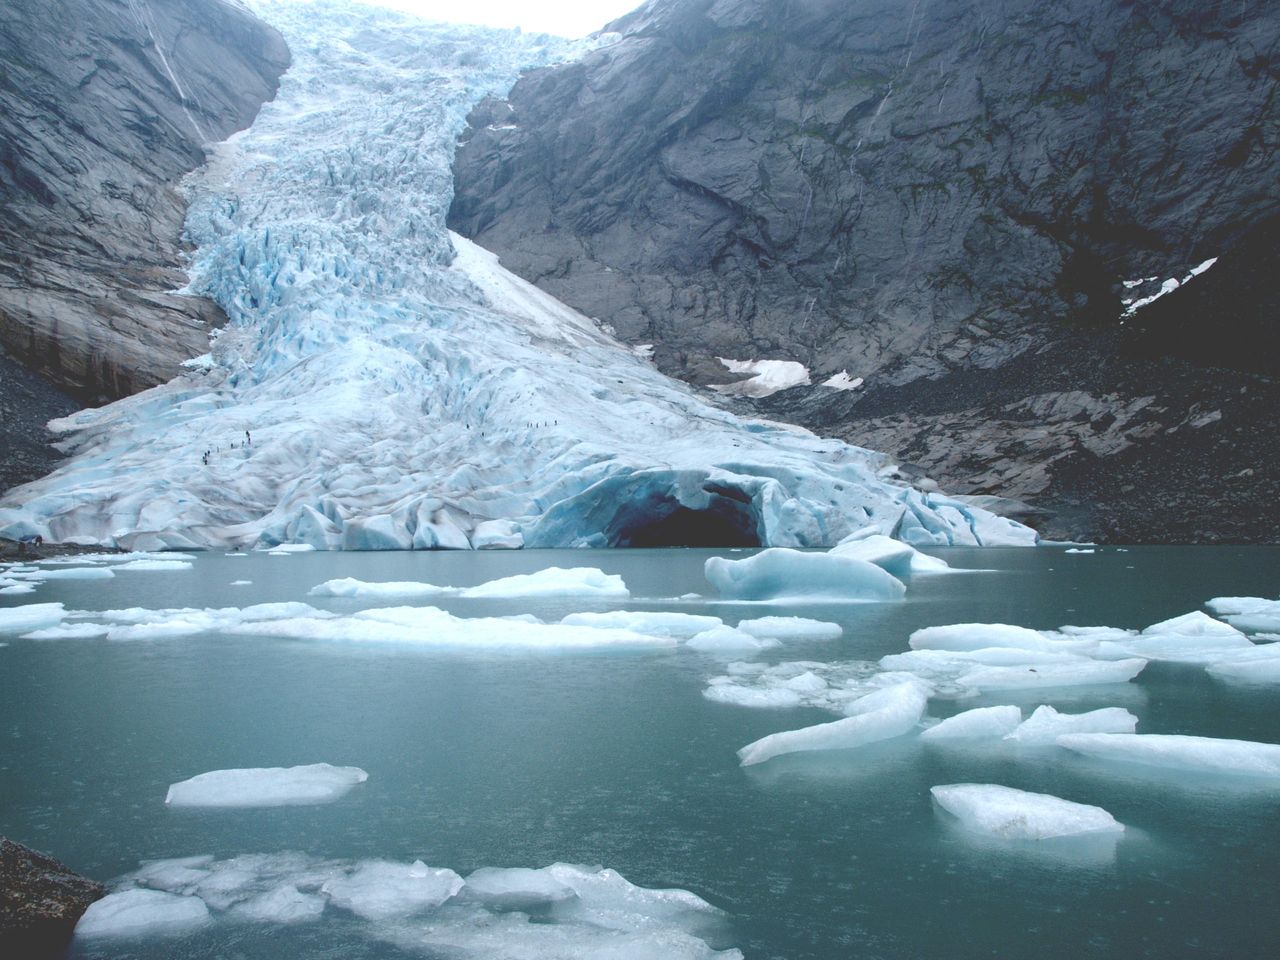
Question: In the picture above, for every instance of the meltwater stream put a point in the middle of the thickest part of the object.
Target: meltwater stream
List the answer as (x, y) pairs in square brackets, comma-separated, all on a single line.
[(616, 758)]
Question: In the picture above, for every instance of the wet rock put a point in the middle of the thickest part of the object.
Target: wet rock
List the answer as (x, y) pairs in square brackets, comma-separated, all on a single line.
[(40, 902)]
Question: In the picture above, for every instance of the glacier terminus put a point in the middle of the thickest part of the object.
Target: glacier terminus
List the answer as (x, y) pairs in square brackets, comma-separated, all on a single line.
[(382, 384)]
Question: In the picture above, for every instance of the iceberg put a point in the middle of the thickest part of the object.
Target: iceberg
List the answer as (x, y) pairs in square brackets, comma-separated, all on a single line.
[(134, 913), (1046, 724), (780, 573), (1243, 758), (382, 384), (982, 722), (266, 786), (882, 715), (1011, 814)]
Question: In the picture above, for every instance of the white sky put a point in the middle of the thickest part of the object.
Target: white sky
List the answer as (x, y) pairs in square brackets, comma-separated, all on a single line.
[(567, 18)]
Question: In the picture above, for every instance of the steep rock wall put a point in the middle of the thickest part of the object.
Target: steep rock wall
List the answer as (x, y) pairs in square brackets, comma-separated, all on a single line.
[(935, 192), (104, 106)]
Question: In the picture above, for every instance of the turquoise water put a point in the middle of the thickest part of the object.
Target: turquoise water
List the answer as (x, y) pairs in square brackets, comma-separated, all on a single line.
[(520, 759)]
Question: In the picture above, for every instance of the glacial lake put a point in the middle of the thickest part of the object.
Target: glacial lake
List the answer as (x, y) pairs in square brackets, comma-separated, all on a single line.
[(616, 758)]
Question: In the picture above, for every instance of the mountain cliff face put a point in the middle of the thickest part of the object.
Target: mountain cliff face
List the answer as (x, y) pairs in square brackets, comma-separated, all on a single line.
[(104, 106), (951, 199)]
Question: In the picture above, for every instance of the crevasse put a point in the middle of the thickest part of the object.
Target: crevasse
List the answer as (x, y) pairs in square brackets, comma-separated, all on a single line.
[(401, 390)]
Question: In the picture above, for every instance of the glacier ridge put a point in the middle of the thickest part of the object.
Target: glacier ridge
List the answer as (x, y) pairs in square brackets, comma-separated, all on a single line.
[(383, 384)]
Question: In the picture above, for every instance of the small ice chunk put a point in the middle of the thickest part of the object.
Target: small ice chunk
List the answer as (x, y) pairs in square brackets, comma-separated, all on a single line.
[(655, 624), (728, 639), (241, 583), (133, 913), (1011, 814), (381, 890), (782, 573), (791, 628), (1203, 754), (978, 723), (266, 786), (15, 589), (898, 710), (31, 616), (1084, 673), (1046, 724), (516, 888)]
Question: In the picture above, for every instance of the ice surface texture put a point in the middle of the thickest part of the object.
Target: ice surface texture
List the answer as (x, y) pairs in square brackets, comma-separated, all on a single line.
[(1019, 815), (400, 389), (1203, 754), (583, 912), (265, 786)]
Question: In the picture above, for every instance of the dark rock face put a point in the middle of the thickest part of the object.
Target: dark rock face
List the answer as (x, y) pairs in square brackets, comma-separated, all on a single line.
[(40, 902), (27, 403), (930, 195), (104, 106)]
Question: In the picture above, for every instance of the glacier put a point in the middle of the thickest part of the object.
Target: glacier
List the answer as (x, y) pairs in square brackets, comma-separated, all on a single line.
[(383, 384)]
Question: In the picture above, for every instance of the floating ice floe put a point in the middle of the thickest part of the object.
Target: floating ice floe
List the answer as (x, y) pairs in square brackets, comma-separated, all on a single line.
[(551, 582), (791, 628), (1084, 673), (960, 637), (1203, 754), (1046, 724), (1011, 814), (431, 627), (894, 556), (69, 631), (31, 616), (660, 624), (65, 573), (137, 912), (725, 639), (980, 723), (887, 713), (266, 786), (1248, 671), (155, 566), (783, 574), (403, 390), (580, 911), (1251, 614)]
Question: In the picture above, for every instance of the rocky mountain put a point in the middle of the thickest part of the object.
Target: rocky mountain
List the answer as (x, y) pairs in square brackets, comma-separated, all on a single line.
[(969, 204), (104, 106)]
